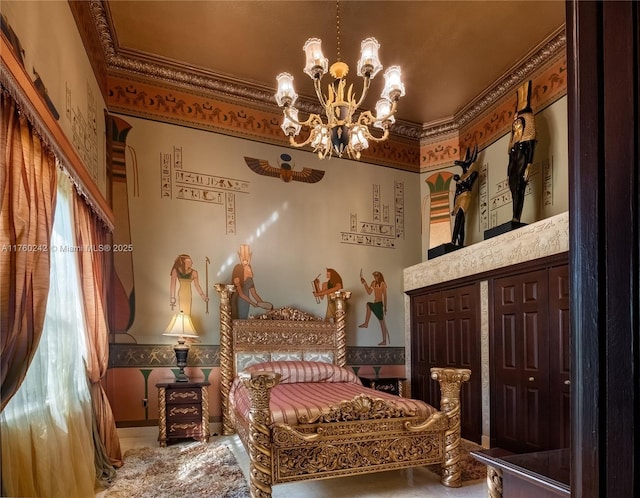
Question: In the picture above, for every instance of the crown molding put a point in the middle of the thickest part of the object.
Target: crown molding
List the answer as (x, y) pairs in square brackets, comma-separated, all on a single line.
[(553, 46), (174, 73)]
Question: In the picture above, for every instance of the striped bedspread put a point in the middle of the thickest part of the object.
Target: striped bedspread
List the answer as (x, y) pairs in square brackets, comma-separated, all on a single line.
[(310, 388)]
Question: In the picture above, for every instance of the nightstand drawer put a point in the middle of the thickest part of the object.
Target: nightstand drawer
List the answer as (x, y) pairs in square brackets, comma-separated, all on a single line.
[(184, 429), (190, 395), (184, 412)]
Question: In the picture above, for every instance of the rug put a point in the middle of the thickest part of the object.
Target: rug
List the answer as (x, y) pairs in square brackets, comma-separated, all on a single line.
[(472, 469), (196, 470)]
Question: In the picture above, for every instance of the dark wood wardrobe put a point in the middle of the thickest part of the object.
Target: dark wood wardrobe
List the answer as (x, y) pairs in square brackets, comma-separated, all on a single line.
[(528, 321)]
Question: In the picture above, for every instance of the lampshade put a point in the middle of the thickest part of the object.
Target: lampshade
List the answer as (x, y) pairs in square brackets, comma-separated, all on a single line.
[(316, 63), (181, 326), (369, 63), (393, 86), (286, 94)]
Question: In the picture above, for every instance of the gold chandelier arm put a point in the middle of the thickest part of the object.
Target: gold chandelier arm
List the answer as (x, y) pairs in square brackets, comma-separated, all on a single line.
[(318, 89), (384, 136), (313, 119), (365, 91), (293, 143), (366, 119)]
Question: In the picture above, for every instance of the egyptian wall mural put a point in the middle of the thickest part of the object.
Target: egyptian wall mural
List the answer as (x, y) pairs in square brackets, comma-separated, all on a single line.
[(199, 208)]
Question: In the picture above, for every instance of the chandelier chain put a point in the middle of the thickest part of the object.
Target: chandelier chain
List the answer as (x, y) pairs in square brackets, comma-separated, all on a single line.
[(338, 29)]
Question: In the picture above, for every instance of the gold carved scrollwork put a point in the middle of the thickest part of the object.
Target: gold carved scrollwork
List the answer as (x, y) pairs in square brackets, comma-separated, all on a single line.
[(205, 413), (494, 482), (362, 407), (187, 410), (436, 422), (183, 395), (305, 333), (162, 416), (340, 299), (184, 426), (356, 455), (287, 313), (226, 354), (259, 385), (450, 381)]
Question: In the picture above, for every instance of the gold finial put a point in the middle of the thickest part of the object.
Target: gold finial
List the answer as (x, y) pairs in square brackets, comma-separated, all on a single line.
[(339, 69)]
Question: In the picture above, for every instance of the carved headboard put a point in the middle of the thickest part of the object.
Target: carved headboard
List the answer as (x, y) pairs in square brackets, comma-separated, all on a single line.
[(282, 334)]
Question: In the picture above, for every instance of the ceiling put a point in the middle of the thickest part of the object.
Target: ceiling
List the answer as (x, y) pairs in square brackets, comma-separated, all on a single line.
[(451, 52)]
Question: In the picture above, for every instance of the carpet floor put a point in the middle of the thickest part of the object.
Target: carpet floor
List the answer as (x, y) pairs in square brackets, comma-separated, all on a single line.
[(195, 470), (472, 469)]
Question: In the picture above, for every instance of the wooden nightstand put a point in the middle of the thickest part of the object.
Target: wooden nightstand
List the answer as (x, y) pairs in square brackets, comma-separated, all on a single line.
[(183, 410), (391, 385)]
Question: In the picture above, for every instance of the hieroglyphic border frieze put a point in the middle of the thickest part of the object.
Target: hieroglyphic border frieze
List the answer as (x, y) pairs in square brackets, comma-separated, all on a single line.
[(162, 356)]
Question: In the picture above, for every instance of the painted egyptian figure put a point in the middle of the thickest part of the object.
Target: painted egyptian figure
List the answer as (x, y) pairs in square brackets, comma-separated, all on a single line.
[(182, 275)]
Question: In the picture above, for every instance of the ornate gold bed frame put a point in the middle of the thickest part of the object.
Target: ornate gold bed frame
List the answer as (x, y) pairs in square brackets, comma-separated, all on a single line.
[(355, 437)]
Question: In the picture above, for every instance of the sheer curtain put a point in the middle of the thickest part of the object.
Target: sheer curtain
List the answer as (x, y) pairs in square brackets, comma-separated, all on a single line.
[(94, 271), (47, 445)]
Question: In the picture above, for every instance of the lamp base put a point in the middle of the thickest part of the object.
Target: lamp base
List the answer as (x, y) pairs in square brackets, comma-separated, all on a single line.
[(182, 351), (182, 377)]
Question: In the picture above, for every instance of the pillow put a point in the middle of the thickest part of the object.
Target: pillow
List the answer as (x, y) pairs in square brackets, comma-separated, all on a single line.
[(306, 371)]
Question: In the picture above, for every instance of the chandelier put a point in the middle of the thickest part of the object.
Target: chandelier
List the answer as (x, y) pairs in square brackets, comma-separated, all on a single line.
[(342, 132)]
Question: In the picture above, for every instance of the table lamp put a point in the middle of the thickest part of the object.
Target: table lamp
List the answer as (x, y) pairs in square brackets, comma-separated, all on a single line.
[(181, 327)]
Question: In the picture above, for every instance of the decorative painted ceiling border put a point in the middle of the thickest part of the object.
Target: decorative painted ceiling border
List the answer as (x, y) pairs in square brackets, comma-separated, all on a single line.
[(436, 142), (549, 84), (189, 107), (489, 116)]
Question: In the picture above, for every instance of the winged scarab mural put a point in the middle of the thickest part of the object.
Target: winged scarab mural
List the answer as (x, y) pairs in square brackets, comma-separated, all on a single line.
[(284, 170)]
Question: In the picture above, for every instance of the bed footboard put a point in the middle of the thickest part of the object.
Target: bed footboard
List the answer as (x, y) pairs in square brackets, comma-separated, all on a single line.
[(358, 436)]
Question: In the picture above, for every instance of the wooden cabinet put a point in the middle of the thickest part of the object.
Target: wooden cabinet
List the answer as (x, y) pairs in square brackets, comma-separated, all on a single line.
[(526, 317), (183, 411), (530, 360), (445, 332), (391, 385)]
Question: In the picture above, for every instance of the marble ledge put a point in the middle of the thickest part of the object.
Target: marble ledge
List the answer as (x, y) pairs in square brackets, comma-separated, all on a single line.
[(536, 240)]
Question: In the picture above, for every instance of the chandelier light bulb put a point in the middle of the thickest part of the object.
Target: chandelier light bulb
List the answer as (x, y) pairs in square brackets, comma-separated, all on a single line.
[(316, 64), (286, 95), (290, 124), (393, 86), (369, 64), (384, 115), (342, 131)]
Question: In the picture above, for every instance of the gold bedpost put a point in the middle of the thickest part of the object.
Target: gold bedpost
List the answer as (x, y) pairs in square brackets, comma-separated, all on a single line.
[(259, 385), (450, 381), (341, 297), (226, 353)]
